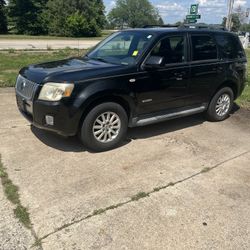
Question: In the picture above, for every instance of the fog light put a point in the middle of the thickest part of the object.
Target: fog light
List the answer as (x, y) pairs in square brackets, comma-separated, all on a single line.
[(49, 120)]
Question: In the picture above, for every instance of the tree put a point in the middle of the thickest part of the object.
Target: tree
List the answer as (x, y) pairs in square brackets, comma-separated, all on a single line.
[(160, 21), (241, 13), (179, 23), (75, 17), (134, 14), (26, 16), (77, 26), (245, 27), (235, 22), (224, 22), (3, 18)]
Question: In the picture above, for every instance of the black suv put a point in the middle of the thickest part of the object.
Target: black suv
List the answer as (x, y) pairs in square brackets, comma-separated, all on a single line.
[(134, 78)]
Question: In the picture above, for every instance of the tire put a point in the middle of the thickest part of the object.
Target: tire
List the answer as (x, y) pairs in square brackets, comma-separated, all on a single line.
[(97, 134), (221, 105)]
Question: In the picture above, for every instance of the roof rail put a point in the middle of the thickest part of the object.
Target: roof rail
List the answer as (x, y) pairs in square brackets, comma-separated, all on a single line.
[(161, 26), (189, 26), (204, 26)]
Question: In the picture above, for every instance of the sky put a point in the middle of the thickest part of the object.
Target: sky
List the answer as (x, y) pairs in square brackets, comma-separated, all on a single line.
[(212, 11)]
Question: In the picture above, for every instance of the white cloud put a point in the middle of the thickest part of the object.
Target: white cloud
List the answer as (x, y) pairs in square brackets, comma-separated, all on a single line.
[(170, 7), (172, 10), (212, 3), (110, 5), (240, 2)]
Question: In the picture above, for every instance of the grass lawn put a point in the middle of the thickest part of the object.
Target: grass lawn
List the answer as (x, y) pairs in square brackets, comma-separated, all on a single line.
[(244, 100), (11, 62)]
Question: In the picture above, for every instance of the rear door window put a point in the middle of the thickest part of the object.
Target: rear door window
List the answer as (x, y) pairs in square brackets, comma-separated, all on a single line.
[(230, 47), (203, 48)]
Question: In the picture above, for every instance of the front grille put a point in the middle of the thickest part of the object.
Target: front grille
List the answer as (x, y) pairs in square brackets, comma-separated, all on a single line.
[(25, 87)]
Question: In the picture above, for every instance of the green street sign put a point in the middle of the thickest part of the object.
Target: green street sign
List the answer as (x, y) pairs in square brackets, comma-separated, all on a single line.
[(192, 21), (193, 16), (194, 9)]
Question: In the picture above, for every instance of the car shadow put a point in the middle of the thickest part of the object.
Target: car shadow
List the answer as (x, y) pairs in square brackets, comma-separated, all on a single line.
[(165, 127), (73, 144), (66, 144), (235, 108)]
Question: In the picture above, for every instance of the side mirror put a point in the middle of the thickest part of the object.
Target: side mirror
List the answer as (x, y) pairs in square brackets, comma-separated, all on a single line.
[(153, 62)]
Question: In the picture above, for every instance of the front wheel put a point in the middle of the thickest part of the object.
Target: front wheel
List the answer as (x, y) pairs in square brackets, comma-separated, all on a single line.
[(221, 105), (105, 127)]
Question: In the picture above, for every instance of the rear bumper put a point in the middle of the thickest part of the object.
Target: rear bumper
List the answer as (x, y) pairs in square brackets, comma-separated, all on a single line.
[(66, 119)]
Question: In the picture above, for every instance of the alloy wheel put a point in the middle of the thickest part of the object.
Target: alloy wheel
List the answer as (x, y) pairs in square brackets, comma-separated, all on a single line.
[(223, 105), (106, 127)]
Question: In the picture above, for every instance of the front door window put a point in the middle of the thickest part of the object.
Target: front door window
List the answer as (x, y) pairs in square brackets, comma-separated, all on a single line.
[(172, 49)]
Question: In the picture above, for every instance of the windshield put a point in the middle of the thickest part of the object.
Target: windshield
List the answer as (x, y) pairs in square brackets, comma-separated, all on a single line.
[(123, 48)]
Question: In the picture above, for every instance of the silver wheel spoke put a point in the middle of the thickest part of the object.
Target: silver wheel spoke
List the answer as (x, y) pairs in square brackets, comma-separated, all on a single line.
[(103, 118), (101, 135), (115, 122), (113, 131), (98, 127), (98, 132), (108, 117), (109, 135), (112, 119), (99, 122), (105, 136)]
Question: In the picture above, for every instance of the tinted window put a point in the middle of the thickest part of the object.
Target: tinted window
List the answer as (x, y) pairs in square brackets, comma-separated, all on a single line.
[(204, 48), (230, 47), (172, 49)]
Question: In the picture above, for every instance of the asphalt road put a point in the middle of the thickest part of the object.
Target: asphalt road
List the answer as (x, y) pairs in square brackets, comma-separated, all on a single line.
[(25, 44), (195, 176)]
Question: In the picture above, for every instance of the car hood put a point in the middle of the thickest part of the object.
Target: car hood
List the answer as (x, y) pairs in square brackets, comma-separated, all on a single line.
[(71, 70)]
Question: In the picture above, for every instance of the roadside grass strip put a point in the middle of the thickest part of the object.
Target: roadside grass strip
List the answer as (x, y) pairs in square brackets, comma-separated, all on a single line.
[(11, 193)]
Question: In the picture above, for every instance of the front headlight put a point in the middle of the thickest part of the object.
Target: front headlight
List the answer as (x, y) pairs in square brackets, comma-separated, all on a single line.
[(55, 91)]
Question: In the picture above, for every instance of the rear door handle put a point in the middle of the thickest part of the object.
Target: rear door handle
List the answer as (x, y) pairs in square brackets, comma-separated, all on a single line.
[(180, 73), (179, 78), (218, 69)]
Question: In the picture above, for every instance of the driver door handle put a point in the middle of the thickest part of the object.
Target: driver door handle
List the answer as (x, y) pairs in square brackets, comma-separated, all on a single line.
[(179, 76)]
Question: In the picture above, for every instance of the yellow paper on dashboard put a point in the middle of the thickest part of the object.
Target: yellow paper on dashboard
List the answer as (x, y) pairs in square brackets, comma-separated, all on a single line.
[(135, 53)]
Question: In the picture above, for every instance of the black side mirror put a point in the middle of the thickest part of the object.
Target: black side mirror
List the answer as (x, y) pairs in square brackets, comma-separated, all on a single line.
[(153, 62)]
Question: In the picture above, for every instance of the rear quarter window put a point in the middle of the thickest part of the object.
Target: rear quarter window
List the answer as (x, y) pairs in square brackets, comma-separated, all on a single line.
[(203, 48), (230, 47)]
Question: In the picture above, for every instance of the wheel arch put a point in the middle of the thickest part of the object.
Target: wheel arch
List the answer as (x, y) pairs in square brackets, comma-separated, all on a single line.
[(126, 104), (229, 83)]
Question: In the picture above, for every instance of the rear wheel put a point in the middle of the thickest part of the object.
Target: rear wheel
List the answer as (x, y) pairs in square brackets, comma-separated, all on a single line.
[(221, 105), (105, 127)]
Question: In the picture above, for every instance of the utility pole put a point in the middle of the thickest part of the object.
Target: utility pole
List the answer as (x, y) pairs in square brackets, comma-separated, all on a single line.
[(229, 15)]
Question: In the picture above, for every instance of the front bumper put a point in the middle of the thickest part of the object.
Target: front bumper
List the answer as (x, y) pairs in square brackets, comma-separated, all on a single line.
[(66, 118)]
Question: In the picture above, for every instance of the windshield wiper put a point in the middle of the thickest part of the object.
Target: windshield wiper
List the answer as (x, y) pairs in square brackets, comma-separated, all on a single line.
[(98, 59)]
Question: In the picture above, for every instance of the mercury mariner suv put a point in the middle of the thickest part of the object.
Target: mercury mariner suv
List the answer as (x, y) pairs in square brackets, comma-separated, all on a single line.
[(134, 78)]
